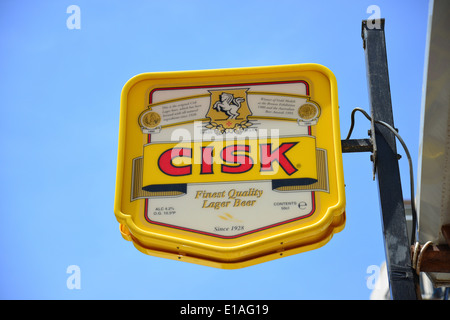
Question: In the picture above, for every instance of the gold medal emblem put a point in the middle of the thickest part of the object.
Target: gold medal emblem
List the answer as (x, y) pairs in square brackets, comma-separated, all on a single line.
[(150, 119), (308, 111)]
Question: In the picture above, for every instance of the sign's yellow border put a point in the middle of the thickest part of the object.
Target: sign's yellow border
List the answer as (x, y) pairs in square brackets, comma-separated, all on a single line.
[(232, 254)]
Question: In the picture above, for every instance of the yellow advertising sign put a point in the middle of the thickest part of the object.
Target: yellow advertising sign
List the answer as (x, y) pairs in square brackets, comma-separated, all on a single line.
[(229, 168)]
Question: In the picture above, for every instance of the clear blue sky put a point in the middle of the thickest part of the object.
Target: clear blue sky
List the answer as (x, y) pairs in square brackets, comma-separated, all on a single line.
[(59, 120)]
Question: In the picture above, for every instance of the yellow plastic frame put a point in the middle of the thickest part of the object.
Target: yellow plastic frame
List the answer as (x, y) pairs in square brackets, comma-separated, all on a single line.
[(258, 247)]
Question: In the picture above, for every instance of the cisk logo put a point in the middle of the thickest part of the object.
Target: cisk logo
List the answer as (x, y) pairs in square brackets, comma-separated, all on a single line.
[(234, 159), (291, 158), (228, 110)]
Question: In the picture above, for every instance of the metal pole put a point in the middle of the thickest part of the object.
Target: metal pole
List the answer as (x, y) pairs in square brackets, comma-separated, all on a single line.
[(397, 247)]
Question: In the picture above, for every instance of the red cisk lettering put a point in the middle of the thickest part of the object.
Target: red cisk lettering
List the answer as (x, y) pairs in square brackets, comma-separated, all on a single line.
[(236, 159), (244, 161), (279, 155), (165, 162)]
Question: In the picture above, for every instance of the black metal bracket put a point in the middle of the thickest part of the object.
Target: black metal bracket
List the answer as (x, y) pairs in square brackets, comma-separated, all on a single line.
[(357, 145), (374, 155)]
